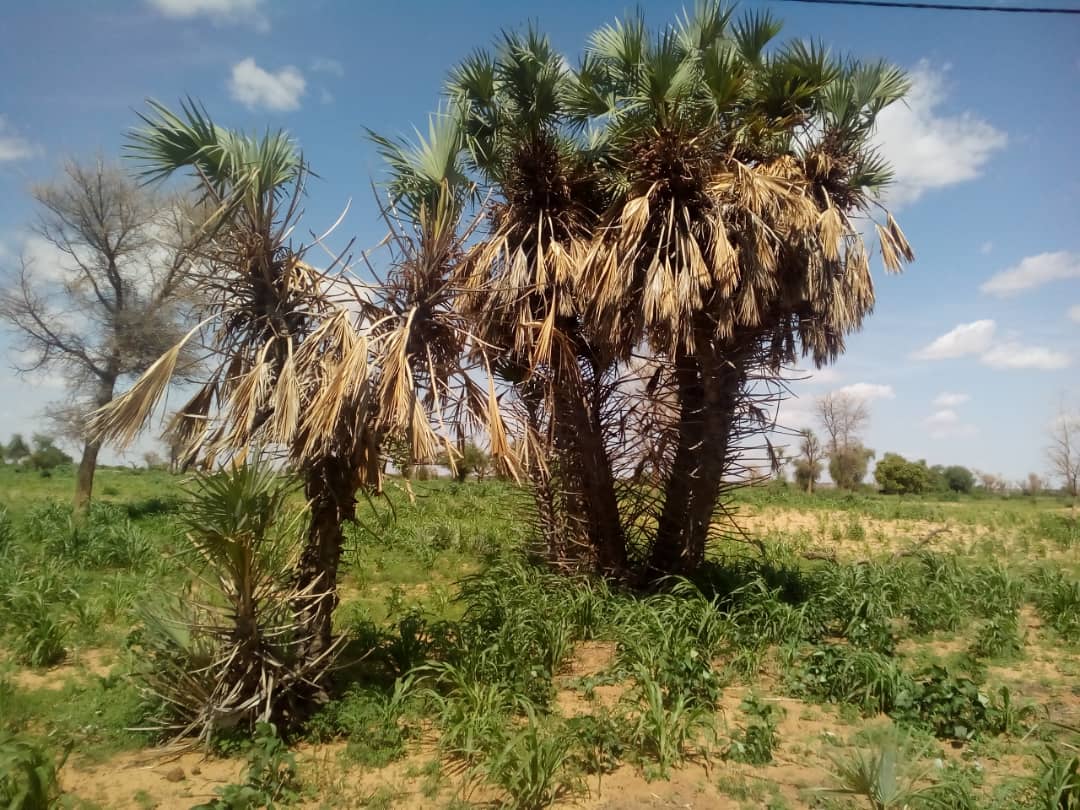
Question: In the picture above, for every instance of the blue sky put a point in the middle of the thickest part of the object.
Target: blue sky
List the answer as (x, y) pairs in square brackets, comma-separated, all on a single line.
[(967, 355)]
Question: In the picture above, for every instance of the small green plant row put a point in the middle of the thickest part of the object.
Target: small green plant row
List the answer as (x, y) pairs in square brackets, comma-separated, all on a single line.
[(948, 705)]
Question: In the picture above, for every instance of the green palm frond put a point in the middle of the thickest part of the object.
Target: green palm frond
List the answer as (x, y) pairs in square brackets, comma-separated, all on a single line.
[(420, 169), (589, 93), (877, 85), (708, 23), (724, 75), (812, 61), (872, 172), (531, 76), (234, 165), (669, 73), (474, 79), (623, 46), (753, 32)]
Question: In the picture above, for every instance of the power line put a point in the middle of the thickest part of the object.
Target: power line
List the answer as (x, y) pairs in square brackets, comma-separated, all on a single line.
[(940, 6)]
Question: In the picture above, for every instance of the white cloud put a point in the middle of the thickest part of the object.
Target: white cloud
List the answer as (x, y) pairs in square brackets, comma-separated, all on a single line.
[(257, 88), (868, 391), (46, 262), (795, 414), (929, 150), (1013, 355), (1074, 313), (986, 248), (818, 376), (1034, 271), (14, 147), (320, 64), (220, 11), (946, 423), (967, 338), (948, 399)]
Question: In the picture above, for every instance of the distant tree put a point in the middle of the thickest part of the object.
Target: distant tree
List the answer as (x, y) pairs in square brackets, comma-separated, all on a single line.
[(1064, 451), (112, 301), (46, 456), (153, 460), (474, 460), (895, 475), (991, 482), (936, 481), (1032, 485), (843, 416), (16, 449), (959, 479), (808, 465), (849, 464)]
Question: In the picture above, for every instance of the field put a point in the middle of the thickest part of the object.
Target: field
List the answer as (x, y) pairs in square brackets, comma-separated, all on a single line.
[(848, 651)]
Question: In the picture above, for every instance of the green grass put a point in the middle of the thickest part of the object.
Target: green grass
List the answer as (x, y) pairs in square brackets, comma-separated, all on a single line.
[(453, 632)]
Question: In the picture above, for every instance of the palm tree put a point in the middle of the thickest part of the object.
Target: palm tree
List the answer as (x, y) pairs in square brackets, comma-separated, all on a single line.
[(290, 368), (519, 283), (728, 247), (669, 226), (307, 361)]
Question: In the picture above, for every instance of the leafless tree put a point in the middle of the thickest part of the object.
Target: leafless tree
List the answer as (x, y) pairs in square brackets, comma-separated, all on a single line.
[(843, 416), (109, 298), (1064, 450), (991, 482)]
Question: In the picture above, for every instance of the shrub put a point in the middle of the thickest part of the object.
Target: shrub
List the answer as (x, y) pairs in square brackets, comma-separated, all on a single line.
[(895, 475), (226, 653)]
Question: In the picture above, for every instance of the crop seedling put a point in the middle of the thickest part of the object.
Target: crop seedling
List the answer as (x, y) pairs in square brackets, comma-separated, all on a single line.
[(599, 743), (271, 777), (666, 726), (842, 674), (1058, 600), (530, 765), (1056, 785), (28, 775), (757, 739), (998, 637)]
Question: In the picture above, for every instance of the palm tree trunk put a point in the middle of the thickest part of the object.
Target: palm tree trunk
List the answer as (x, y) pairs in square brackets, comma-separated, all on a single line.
[(84, 480), (709, 389), (330, 488), (588, 477)]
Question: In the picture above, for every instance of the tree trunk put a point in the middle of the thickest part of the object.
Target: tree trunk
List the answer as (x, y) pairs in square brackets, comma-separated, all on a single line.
[(709, 386), (587, 477), (331, 492), (84, 480)]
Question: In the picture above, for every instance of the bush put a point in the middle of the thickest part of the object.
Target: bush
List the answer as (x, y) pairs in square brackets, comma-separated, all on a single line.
[(848, 465), (896, 475), (959, 479)]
